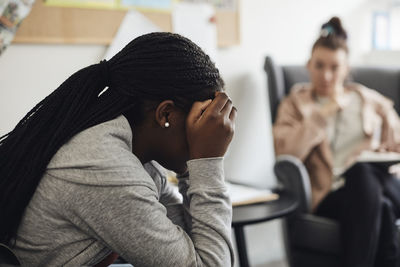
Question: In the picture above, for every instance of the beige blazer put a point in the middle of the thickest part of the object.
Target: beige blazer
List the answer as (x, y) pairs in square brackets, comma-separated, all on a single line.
[(299, 130)]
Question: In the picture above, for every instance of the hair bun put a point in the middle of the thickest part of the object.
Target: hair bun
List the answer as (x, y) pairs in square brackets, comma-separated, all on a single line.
[(333, 27)]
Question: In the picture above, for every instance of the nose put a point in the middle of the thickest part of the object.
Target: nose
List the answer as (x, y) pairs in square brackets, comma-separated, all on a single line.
[(327, 76)]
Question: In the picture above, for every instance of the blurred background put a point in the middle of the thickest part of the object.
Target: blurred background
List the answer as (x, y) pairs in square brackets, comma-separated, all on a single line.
[(285, 30)]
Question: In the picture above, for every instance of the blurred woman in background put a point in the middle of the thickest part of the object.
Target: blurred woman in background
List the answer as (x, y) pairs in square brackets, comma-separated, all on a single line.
[(327, 123)]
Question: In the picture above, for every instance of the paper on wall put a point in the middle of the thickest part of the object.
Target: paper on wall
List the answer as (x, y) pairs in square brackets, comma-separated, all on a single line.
[(133, 25), (196, 21), (153, 5)]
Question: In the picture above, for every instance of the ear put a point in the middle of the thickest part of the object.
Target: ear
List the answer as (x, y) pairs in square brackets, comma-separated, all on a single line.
[(163, 111)]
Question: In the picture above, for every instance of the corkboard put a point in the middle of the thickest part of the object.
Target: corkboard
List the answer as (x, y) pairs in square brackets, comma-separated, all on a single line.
[(58, 25)]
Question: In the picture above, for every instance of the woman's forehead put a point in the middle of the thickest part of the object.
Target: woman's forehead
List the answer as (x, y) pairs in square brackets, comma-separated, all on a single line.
[(325, 54)]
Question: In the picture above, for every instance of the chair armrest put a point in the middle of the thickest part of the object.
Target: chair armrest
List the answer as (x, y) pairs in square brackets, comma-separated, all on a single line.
[(311, 232), (293, 175)]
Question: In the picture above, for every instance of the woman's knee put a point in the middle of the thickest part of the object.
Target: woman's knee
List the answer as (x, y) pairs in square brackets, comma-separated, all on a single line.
[(362, 183), (361, 174), (359, 168)]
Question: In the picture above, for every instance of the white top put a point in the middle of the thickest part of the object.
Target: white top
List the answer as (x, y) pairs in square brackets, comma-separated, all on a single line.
[(344, 130)]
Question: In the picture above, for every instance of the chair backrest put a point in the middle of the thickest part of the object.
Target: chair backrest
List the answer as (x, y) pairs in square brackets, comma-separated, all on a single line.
[(282, 78), (7, 256)]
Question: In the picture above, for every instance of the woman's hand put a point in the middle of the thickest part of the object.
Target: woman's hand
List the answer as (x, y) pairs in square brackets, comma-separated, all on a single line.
[(316, 112), (330, 108), (210, 126), (334, 104)]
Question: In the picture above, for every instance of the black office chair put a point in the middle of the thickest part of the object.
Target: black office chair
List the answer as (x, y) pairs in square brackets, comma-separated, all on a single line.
[(7, 257), (313, 240)]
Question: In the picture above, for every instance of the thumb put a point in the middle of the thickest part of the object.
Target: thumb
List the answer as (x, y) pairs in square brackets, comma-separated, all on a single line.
[(197, 110)]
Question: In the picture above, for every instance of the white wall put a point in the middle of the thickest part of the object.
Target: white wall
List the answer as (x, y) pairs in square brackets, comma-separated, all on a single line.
[(28, 73), (284, 29)]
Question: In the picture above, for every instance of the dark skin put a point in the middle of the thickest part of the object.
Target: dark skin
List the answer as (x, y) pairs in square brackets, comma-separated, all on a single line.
[(206, 131)]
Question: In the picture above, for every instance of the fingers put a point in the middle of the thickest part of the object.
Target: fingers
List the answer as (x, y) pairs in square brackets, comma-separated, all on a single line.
[(218, 102), (329, 109), (226, 110), (210, 127), (229, 111), (197, 109), (220, 105), (232, 114)]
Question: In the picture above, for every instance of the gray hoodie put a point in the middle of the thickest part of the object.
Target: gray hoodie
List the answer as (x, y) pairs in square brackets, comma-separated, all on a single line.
[(96, 197)]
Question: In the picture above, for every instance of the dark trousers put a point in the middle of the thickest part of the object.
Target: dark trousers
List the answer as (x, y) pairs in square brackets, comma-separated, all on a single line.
[(366, 207)]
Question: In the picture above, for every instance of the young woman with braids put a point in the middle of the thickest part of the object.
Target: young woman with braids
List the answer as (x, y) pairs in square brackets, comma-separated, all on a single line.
[(79, 176), (326, 124)]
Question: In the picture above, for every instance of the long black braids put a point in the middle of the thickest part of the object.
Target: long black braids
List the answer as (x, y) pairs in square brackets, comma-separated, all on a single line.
[(154, 67)]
